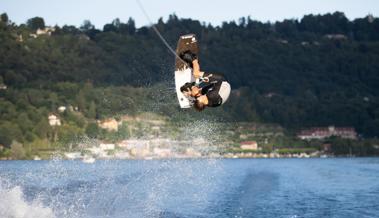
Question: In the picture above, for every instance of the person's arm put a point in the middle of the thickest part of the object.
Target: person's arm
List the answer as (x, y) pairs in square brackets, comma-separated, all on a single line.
[(196, 69), (213, 77)]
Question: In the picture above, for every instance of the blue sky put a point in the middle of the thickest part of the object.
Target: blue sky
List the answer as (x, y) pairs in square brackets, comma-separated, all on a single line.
[(100, 12)]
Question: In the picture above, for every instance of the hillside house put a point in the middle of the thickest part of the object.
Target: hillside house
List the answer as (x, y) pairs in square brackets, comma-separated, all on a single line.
[(62, 109), (109, 124), (326, 132), (249, 145), (54, 120), (46, 31)]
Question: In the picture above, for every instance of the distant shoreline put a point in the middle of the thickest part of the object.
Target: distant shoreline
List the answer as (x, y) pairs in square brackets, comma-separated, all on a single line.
[(194, 158)]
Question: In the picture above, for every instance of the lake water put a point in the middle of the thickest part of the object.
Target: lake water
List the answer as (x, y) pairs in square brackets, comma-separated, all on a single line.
[(275, 188)]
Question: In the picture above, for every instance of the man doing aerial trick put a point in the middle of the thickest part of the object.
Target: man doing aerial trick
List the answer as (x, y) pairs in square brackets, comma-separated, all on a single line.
[(209, 90)]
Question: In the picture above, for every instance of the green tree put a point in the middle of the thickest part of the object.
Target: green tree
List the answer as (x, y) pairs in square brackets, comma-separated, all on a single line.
[(92, 130), (81, 101), (36, 23), (92, 110), (42, 129), (24, 123), (86, 26), (17, 151), (4, 18), (131, 26), (70, 30), (76, 119), (5, 138), (14, 79), (9, 132), (69, 133), (124, 130)]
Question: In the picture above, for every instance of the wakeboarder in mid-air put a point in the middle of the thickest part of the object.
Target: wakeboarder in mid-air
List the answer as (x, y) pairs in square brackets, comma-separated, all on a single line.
[(212, 89), (195, 87), (209, 90)]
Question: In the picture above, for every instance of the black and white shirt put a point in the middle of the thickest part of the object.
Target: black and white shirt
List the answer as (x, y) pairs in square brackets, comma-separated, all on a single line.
[(217, 89)]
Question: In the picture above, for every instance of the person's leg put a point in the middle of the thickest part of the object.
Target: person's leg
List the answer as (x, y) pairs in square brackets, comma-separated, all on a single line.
[(224, 92)]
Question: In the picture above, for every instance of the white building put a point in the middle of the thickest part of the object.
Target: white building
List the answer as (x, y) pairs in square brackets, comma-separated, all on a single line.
[(249, 145), (62, 109), (107, 146), (46, 31), (54, 120)]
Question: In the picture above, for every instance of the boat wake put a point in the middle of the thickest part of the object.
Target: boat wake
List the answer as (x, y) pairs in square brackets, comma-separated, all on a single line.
[(14, 205), (114, 189)]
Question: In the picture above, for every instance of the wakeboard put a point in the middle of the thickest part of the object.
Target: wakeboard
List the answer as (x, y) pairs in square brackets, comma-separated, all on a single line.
[(183, 73)]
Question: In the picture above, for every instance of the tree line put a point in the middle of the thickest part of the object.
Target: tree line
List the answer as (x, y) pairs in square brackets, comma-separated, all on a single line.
[(317, 71)]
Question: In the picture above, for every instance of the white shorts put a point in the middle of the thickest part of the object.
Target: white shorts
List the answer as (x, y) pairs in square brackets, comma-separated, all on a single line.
[(224, 92)]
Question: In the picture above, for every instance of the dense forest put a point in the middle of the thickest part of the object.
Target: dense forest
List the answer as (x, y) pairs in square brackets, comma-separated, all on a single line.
[(318, 71)]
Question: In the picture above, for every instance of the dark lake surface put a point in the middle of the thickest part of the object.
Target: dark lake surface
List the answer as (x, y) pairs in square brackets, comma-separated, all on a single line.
[(276, 188)]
